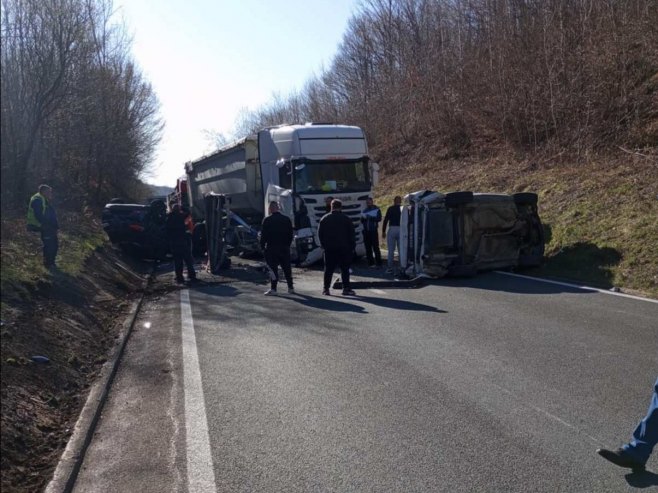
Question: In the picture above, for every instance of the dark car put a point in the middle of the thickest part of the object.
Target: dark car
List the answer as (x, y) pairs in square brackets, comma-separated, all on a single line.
[(139, 229)]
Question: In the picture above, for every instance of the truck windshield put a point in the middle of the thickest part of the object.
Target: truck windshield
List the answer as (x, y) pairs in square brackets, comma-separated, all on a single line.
[(332, 176)]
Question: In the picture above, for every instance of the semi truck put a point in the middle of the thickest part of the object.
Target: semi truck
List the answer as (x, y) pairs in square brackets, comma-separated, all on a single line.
[(298, 166)]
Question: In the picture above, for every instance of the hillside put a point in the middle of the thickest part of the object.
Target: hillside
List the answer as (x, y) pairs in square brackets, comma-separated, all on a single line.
[(73, 317), (600, 212)]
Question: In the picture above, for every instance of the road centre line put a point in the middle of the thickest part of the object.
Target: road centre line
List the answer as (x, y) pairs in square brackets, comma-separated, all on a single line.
[(586, 288), (200, 471), (377, 291)]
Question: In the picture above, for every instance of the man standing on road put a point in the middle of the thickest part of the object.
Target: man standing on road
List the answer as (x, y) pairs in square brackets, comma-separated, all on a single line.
[(275, 238), (336, 234), (179, 241), (327, 204), (370, 218), (41, 218), (634, 455), (392, 220)]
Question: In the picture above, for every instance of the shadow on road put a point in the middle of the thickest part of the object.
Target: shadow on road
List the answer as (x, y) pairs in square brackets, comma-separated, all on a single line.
[(492, 281), (399, 304), (327, 303), (221, 290), (642, 479)]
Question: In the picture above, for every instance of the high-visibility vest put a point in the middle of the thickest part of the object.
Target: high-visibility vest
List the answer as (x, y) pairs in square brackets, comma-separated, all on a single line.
[(31, 218)]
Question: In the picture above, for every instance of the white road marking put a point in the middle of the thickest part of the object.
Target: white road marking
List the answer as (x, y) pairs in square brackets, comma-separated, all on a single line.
[(588, 288), (547, 414), (377, 291), (200, 471)]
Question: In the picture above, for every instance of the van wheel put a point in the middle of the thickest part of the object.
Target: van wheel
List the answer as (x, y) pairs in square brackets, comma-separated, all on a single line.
[(525, 198), (455, 199)]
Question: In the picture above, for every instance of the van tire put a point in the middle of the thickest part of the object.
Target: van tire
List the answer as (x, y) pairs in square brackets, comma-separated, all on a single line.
[(525, 198), (455, 199)]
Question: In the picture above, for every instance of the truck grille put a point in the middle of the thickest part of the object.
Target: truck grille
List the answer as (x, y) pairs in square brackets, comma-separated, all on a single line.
[(352, 210)]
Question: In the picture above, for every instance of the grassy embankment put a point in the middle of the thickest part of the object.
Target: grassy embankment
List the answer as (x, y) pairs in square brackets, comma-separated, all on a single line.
[(22, 261), (600, 213)]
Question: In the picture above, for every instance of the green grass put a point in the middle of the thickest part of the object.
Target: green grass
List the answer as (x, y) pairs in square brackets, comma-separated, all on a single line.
[(22, 260)]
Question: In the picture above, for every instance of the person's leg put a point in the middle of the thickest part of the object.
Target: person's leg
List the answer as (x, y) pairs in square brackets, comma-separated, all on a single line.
[(345, 261), (272, 263), (55, 249), (390, 245), (177, 253), (375, 247), (47, 244), (635, 454), (284, 259), (396, 241), (645, 435), (367, 243), (189, 262), (330, 262)]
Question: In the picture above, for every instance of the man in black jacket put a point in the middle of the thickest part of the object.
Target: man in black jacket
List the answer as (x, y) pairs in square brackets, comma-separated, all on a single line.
[(275, 238), (336, 234), (392, 220), (179, 241)]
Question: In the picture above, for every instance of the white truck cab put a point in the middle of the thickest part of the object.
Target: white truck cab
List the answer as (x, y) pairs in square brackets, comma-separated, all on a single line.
[(298, 166)]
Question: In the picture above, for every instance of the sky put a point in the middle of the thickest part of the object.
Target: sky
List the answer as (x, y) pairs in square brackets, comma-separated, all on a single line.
[(207, 60)]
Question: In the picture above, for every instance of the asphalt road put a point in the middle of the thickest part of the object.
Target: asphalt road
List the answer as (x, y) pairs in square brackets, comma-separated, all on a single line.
[(492, 384)]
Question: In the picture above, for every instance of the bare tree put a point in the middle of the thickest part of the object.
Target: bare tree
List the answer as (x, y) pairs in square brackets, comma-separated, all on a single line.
[(75, 108)]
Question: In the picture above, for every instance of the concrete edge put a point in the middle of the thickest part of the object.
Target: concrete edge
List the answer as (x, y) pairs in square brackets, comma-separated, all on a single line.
[(71, 459)]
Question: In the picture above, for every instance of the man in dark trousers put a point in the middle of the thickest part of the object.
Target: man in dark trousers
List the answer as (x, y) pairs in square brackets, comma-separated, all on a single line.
[(392, 221), (370, 218), (180, 244), (635, 454), (336, 234), (275, 238), (41, 218)]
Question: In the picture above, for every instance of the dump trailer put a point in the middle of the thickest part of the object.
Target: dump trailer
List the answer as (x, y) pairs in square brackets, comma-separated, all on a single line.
[(461, 233), (298, 166)]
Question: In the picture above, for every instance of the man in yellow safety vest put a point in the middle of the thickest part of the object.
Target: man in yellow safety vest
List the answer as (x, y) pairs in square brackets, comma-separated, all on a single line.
[(41, 217)]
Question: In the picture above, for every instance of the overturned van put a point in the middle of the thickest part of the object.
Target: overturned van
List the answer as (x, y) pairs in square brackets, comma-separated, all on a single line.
[(461, 233)]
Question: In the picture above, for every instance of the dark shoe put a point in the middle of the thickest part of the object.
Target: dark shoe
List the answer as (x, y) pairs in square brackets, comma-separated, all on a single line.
[(326, 291), (621, 458), (348, 292)]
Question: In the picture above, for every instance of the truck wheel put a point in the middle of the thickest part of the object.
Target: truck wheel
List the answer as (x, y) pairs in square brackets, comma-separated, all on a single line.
[(455, 199), (525, 198)]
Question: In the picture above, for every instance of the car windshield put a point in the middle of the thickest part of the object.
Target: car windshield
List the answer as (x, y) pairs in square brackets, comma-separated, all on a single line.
[(332, 176)]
